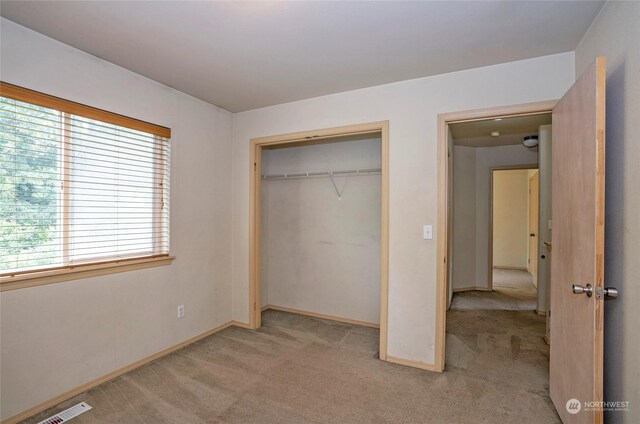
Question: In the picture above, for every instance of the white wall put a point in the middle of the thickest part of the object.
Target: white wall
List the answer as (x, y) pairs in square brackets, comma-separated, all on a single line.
[(510, 218), (615, 34), (472, 212), (59, 336), (450, 216), (411, 108), (531, 173), (321, 253), (463, 260)]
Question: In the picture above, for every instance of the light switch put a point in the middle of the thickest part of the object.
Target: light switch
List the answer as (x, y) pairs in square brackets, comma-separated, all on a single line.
[(549, 224), (427, 232)]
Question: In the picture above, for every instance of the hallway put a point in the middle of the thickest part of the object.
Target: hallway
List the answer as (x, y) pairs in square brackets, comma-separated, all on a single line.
[(498, 338), (502, 353), (512, 291)]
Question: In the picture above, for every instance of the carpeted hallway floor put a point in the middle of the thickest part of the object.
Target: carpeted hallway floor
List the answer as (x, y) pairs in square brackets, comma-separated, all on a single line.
[(512, 291), (297, 369)]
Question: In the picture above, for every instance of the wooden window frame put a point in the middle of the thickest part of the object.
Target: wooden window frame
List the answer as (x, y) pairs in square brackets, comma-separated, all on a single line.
[(45, 100), (40, 276)]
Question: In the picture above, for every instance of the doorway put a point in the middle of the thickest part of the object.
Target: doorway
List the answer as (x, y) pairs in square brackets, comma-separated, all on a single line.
[(258, 146), (490, 207), (448, 204), (492, 329), (577, 289), (513, 254)]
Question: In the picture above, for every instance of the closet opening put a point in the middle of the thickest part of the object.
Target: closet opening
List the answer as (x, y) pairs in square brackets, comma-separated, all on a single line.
[(319, 226)]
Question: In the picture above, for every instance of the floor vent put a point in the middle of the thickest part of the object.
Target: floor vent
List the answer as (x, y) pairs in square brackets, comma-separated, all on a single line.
[(67, 414)]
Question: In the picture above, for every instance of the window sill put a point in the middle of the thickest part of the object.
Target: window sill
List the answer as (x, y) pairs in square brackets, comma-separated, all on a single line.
[(75, 272)]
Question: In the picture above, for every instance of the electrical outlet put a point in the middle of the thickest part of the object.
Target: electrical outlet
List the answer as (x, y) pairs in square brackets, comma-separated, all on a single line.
[(180, 311)]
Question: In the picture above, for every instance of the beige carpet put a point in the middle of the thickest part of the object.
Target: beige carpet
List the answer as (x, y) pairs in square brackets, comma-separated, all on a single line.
[(298, 369), (513, 290)]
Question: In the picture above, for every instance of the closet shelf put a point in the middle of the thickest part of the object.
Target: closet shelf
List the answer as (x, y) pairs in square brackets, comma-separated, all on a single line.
[(343, 173)]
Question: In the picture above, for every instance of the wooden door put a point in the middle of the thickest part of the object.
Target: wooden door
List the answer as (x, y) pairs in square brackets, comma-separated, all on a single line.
[(578, 248), (533, 227)]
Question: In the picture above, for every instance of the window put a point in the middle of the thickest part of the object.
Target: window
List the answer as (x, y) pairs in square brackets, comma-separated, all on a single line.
[(78, 185)]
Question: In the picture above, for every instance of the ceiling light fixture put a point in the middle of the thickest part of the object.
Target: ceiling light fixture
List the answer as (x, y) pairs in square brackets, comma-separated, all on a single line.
[(530, 141), (495, 133)]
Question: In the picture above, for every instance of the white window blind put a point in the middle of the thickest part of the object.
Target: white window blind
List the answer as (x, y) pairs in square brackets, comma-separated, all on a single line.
[(77, 190)]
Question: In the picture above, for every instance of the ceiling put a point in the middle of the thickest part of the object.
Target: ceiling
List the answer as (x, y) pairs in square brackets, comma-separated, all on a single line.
[(512, 130), (245, 55)]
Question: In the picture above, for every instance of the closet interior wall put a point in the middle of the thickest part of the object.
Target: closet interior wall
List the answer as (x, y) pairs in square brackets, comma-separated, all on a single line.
[(320, 252)]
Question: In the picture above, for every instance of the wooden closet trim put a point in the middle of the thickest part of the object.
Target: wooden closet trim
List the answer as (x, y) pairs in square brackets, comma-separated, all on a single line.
[(380, 128)]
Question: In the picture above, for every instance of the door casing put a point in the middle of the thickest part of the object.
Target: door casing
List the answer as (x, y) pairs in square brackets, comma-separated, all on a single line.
[(490, 241), (444, 119), (534, 214), (381, 129)]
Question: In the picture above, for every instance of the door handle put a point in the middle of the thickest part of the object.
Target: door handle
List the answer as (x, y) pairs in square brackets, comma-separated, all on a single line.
[(608, 292), (578, 289), (611, 292)]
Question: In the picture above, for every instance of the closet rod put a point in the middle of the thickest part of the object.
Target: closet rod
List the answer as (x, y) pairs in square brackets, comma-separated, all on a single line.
[(343, 173)]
